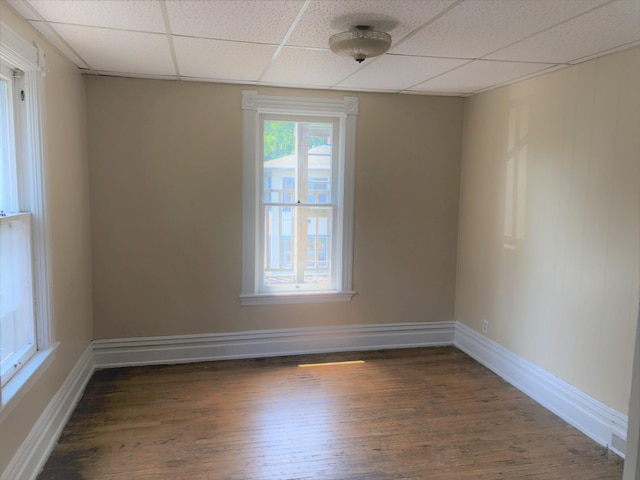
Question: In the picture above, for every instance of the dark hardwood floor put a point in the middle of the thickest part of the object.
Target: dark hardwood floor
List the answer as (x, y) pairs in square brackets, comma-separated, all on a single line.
[(431, 413)]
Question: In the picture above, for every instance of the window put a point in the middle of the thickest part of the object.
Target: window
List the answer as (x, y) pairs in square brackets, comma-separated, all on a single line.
[(297, 203), (25, 340), (298, 168)]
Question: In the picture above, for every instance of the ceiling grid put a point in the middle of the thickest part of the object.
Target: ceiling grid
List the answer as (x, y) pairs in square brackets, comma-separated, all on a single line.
[(440, 47)]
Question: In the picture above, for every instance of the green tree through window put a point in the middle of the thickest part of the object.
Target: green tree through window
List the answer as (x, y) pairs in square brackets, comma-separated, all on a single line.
[(280, 140)]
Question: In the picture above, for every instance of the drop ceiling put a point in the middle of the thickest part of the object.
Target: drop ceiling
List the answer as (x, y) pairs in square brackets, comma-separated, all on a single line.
[(442, 47)]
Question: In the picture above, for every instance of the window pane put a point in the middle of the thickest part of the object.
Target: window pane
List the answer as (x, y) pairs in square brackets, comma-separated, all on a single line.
[(8, 193), (317, 166), (280, 162), (16, 304), (278, 258), (297, 246), (317, 269)]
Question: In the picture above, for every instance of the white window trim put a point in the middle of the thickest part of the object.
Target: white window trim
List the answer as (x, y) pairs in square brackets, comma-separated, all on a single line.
[(30, 58), (253, 105)]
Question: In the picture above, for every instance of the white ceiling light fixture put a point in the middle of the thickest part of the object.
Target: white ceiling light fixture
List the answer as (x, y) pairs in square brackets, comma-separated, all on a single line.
[(360, 43)]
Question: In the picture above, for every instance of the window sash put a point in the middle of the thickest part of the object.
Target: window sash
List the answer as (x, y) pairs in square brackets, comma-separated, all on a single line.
[(17, 319), (286, 261)]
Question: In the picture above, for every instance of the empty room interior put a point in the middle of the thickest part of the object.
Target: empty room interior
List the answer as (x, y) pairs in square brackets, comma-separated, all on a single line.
[(433, 205)]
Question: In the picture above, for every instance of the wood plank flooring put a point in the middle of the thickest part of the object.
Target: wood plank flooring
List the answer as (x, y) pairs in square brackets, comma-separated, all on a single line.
[(431, 413)]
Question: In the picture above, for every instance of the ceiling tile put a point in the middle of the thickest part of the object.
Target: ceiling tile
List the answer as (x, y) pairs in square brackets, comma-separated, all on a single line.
[(102, 49), (383, 73), (478, 75), (240, 20), (603, 29), (308, 67), (475, 28), (221, 60), (323, 18), (50, 34), (143, 15)]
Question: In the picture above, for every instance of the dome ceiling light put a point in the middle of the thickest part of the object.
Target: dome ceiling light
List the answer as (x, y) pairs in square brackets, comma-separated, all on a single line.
[(360, 43)]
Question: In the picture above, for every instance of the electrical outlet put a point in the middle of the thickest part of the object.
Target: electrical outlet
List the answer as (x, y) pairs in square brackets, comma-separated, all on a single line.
[(485, 326)]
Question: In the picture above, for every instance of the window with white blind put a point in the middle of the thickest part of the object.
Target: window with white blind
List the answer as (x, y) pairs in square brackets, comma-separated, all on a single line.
[(298, 199), (25, 333)]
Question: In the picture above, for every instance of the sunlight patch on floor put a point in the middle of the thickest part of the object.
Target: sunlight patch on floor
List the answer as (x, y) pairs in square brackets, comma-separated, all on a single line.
[(326, 364)]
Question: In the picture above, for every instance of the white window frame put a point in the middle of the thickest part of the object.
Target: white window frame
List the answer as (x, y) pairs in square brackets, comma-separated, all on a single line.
[(18, 54), (346, 111)]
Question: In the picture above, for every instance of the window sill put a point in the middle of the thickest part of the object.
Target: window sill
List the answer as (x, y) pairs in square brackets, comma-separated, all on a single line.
[(293, 298), (15, 388)]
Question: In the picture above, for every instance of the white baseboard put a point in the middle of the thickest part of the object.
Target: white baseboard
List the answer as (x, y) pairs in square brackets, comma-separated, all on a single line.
[(36, 448), (603, 424), (269, 343)]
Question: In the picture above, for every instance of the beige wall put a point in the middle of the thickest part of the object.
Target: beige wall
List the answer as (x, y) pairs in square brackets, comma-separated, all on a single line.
[(166, 194), (68, 207), (553, 265)]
